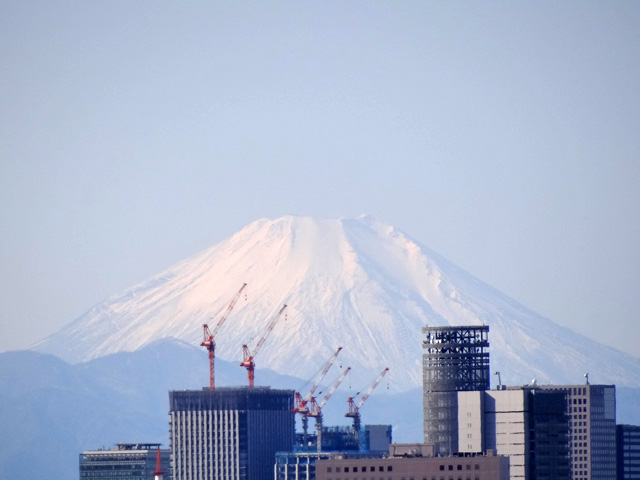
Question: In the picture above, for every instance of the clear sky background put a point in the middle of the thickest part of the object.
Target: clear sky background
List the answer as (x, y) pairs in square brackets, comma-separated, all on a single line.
[(503, 135)]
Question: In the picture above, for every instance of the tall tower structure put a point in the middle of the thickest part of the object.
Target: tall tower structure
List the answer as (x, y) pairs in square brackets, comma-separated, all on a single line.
[(229, 433), (455, 359)]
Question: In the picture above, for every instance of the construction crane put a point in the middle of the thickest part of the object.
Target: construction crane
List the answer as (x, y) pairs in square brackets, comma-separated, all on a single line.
[(209, 338), (315, 409), (301, 403), (247, 356), (354, 410), (158, 473)]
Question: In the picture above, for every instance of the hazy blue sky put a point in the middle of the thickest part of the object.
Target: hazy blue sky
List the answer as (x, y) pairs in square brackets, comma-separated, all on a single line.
[(503, 135)]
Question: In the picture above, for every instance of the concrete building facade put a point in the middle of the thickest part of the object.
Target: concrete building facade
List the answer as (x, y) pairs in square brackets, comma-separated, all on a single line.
[(480, 467), (229, 433), (127, 461), (302, 465), (455, 359)]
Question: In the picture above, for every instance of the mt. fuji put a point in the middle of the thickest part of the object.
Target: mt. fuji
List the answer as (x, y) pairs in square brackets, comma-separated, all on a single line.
[(357, 283)]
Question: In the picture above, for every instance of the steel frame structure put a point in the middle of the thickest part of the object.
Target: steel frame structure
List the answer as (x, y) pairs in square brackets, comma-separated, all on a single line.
[(455, 359)]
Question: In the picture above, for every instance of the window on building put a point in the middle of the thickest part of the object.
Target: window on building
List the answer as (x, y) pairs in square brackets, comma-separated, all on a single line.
[(389, 468), (459, 467)]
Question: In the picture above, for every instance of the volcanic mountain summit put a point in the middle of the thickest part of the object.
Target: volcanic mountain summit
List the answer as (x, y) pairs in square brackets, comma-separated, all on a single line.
[(357, 283)]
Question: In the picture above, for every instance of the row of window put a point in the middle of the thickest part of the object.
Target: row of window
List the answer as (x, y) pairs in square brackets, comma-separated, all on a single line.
[(389, 468), (402, 478), (459, 467), (362, 469)]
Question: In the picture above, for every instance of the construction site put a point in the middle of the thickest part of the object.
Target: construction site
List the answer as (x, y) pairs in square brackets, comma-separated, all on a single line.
[(236, 431)]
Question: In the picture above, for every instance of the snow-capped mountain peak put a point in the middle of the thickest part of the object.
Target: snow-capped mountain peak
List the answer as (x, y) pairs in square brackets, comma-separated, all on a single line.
[(357, 283)]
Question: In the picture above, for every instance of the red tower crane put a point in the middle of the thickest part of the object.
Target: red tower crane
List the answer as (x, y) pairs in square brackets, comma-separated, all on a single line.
[(315, 409), (301, 403), (354, 410), (247, 356), (158, 471), (209, 337)]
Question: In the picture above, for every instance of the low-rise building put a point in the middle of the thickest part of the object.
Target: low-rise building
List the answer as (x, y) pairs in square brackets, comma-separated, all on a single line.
[(411, 466), (127, 461)]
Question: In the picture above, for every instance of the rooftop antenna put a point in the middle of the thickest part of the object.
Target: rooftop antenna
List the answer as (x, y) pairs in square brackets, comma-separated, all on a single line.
[(586, 376), (499, 380)]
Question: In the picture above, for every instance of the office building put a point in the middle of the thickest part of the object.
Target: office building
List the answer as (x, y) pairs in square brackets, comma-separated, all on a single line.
[(229, 433), (127, 461), (592, 430), (455, 359), (628, 448), (528, 425)]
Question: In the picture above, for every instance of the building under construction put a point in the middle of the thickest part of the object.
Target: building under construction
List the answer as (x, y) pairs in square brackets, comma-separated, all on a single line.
[(455, 359), (229, 432), (371, 438)]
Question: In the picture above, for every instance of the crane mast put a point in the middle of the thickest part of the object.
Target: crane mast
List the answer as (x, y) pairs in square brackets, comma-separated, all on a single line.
[(209, 341), (354, 410), (315, 409), (247, 356)]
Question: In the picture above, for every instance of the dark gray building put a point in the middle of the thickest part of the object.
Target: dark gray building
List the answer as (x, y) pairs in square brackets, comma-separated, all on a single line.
[(127, 461), (628, 447), (229, 433), (455, 359), (592, 430)]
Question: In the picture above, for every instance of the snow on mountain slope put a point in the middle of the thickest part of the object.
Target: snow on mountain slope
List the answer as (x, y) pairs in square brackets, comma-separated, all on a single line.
[(356, 283)]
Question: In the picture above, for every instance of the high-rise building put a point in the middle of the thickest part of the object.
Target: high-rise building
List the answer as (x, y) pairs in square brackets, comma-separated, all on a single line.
[(528, 425), (127, 461), (229, 433), (455, 359), (592, 430), (628, 447)]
